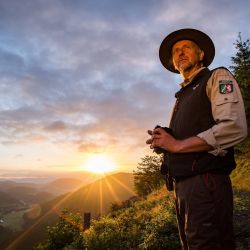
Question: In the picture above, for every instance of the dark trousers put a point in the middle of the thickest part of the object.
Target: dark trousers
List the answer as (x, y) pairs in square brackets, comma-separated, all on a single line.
[(204, 207)]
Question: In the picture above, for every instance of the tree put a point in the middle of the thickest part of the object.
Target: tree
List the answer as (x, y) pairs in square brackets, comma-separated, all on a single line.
[(66, 234), (147, 177), (241, 71)]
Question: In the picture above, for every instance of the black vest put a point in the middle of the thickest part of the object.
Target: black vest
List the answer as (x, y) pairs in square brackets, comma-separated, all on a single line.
[(193, 115)]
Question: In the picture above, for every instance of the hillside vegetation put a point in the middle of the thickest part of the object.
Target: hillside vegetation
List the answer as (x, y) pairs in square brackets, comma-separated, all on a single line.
[(241, 185)]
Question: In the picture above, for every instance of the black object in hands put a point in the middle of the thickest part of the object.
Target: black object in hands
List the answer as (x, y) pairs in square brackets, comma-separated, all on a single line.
[(169, 131)]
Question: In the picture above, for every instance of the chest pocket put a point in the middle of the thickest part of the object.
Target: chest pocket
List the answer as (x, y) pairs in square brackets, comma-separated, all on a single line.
[(226, 98), (224, 105)]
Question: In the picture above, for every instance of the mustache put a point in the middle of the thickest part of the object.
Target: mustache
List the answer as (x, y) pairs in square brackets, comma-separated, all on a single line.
[(182, 58)]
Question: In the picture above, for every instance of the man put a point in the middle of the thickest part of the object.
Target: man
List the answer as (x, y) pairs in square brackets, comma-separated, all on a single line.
[(207, 121)]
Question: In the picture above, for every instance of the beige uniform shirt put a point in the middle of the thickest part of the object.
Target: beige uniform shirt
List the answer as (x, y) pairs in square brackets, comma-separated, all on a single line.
[(227, 109)]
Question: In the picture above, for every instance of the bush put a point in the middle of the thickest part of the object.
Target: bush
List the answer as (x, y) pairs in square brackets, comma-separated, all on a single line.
[(66, 234)]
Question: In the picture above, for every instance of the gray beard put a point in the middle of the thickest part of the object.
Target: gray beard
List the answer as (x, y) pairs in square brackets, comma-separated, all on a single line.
[(185, 67)]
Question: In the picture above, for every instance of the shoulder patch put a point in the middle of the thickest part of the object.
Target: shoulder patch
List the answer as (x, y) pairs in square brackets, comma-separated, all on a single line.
[(226, 86)]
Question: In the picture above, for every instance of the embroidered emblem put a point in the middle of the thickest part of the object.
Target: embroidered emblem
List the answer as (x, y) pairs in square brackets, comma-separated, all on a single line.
[(226, 86)]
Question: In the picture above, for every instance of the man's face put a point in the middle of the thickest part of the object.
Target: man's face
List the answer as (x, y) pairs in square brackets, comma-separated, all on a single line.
[(186, 56)]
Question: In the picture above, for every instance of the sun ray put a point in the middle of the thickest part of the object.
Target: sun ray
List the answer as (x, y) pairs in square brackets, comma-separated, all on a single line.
[(101, 198), (112, 190), (123, 185)]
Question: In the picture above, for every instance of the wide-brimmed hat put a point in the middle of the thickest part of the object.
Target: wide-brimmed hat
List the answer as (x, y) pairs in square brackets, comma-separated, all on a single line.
[(201, 39)]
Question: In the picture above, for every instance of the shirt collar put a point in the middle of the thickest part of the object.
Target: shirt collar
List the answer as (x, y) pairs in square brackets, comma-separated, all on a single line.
[(188, 80)]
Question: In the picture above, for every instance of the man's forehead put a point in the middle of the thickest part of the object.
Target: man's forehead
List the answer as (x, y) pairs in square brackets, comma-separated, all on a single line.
[(183, 42)]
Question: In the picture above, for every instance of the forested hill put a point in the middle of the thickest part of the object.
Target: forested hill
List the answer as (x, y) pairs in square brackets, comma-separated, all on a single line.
[(149, 223)]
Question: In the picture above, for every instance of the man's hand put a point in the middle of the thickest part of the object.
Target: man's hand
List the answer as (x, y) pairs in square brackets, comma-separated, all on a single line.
[(161, 139)]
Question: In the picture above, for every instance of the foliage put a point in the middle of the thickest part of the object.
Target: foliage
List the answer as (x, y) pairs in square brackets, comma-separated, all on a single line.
[(241, 175), (66, 234), (241, 218), (241, 70), (104, 234), (241, 186), (123, 204), (146, 224), (148, 177), (161, 232)]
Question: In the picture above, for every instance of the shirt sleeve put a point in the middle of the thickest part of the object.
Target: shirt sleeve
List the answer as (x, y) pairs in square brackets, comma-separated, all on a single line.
[(228, 112)]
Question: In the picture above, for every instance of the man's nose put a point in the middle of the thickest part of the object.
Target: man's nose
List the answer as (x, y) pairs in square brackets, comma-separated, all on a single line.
[(181, 52)]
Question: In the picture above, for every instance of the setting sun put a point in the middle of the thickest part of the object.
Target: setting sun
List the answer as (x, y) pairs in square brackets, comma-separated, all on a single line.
[(99, 163)]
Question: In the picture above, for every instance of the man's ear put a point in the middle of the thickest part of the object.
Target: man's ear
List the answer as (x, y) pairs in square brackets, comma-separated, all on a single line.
[(201, 56)]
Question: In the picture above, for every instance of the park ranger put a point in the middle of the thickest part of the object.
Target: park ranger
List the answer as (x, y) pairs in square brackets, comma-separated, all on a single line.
[(207, 121)]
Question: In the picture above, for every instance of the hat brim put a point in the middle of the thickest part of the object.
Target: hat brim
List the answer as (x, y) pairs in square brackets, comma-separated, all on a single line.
[(201, 39)]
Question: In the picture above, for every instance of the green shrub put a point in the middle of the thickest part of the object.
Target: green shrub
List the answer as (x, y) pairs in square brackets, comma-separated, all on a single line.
[(66, 234)]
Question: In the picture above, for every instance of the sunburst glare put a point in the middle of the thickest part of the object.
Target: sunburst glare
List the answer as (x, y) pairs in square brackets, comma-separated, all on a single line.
[(99, 164)]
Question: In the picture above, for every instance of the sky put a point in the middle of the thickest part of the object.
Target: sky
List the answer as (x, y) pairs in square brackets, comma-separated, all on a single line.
[(81, 78)]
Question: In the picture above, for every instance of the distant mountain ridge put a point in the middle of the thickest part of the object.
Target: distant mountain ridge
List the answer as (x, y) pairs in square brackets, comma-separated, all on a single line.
[(62, 185), (31, 177), (39, 193), (29, 195)]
